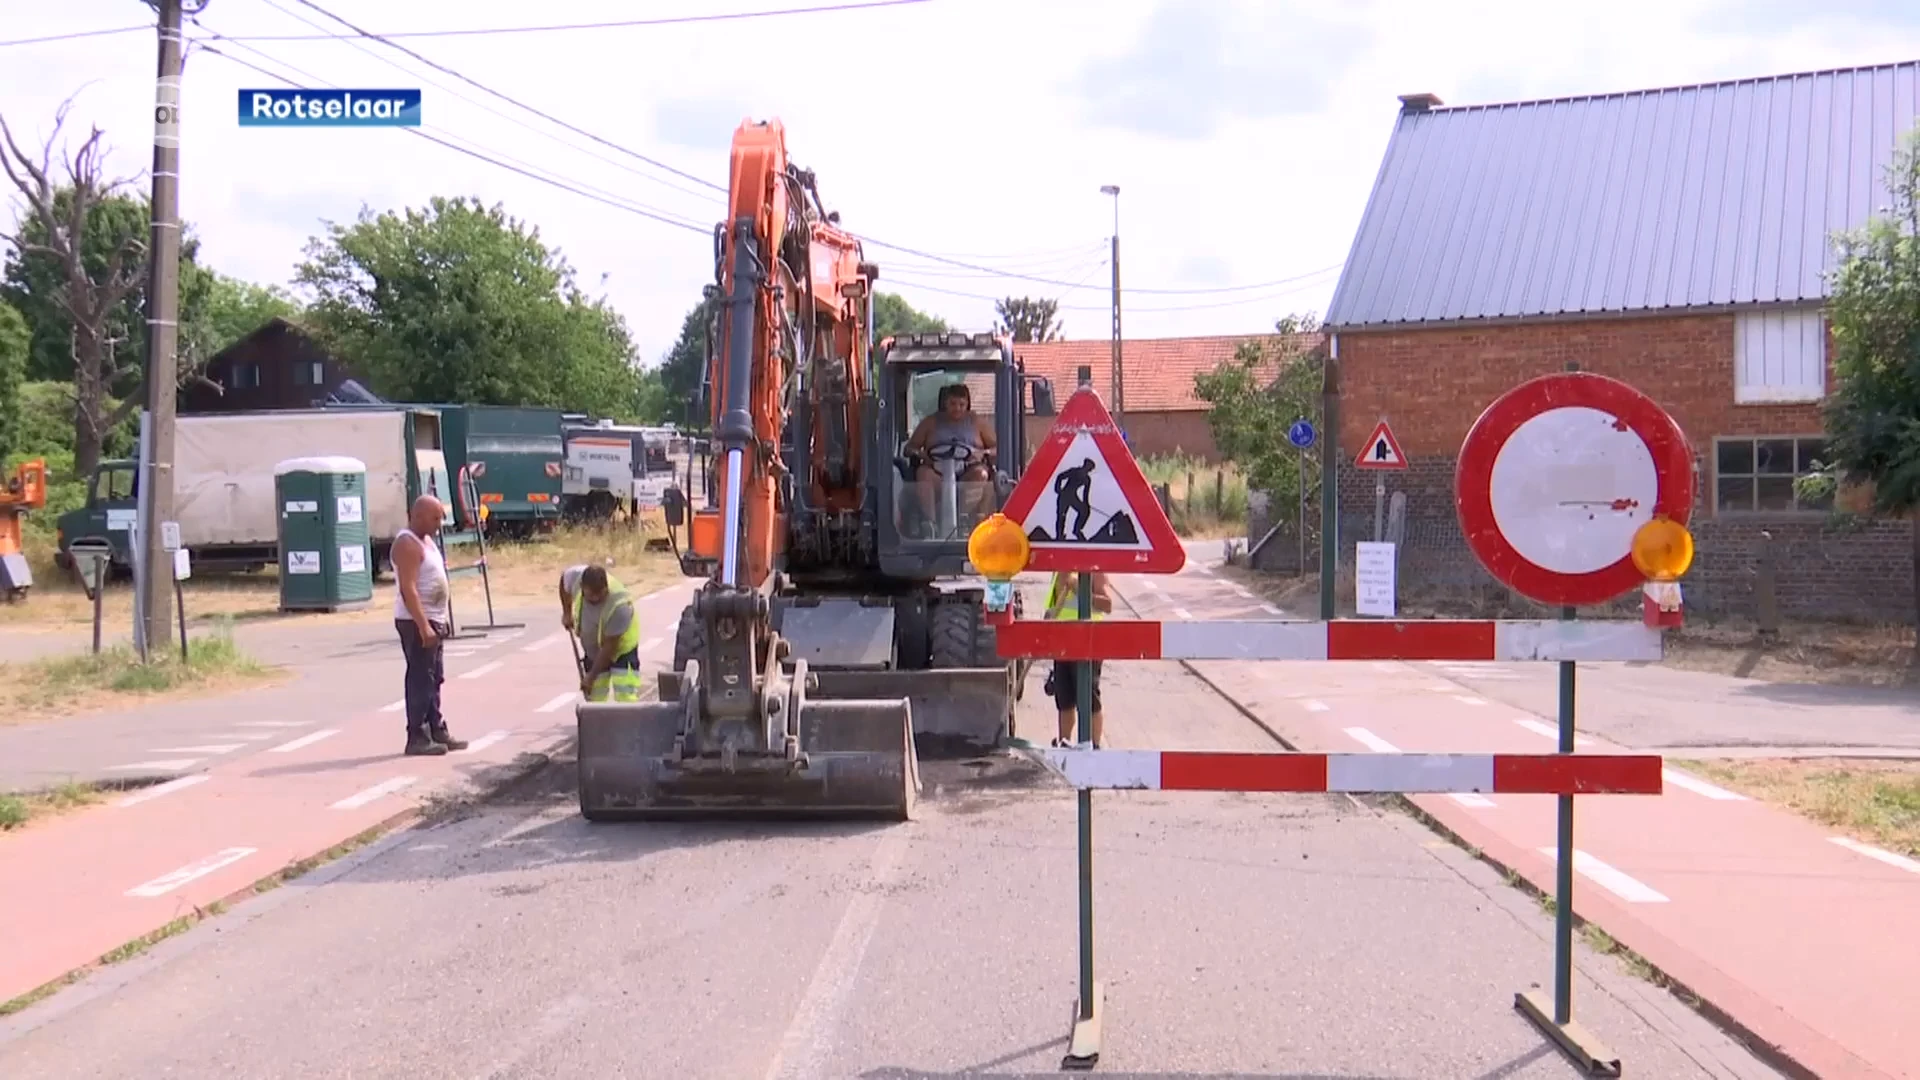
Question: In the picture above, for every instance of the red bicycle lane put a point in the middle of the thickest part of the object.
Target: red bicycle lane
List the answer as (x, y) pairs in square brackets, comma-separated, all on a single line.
[(74, 888), (1782, 927)]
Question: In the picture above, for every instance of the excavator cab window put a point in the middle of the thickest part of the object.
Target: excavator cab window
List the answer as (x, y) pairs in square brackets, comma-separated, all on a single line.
[(945, 486)]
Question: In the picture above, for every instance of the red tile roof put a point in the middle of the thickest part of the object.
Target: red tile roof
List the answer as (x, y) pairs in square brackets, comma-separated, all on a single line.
[(1159, 371)]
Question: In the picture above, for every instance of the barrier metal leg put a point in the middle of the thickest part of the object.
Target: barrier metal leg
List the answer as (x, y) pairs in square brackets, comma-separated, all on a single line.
[(1556, 1021), (1089, 1014)]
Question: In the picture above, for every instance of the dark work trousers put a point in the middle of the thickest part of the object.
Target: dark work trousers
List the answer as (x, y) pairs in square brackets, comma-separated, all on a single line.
[(426, 670)]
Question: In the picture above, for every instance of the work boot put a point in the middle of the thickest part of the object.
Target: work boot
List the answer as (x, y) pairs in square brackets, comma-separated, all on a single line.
[(445, 738), (420, 744)]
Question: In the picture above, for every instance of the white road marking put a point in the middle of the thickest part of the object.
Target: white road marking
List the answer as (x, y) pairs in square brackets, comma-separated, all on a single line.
[(250, 736), (485, 669), (647, 645), (167, 788), (1469, 699), (395, 707), (485, 741), (220, 748), (1149, 584), (304, 741), (1696, 785), (193, 871), (1313, 705), (809, 1041), (1183, 613), (1900, 862), (1620, 884), (554, 638), (1242, 590), (281, 723), (1381, 746), (1386, 666), (1548, 731), (560, 702), (1271, 610), (375, 793), (156, 766)]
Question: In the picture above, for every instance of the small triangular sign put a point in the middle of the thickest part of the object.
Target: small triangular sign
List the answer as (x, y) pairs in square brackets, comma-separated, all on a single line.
[(1381, 450), (1084, 503)]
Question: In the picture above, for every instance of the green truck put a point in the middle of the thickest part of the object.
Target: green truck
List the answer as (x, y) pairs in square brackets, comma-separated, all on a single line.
[(514, 455), (224, 481)]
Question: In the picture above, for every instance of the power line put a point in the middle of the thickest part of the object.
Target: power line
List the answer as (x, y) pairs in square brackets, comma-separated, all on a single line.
[(1165, 309), (621, 24), (77, 35), (1068, 285), (478, 155), (549, 117)]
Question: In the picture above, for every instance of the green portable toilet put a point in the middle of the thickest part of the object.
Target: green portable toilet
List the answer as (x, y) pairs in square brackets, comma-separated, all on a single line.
[(325, 560)]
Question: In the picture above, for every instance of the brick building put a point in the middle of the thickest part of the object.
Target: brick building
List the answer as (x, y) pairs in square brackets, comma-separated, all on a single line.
[(1162, 414), (1675, 239), (278, 366)]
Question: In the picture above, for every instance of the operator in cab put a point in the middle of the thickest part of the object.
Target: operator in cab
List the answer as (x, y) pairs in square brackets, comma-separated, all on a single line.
[(954, 425)]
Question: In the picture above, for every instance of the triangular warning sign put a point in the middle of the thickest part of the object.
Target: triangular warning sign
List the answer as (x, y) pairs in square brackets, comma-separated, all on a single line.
[(1381, 450), (1084, 503)]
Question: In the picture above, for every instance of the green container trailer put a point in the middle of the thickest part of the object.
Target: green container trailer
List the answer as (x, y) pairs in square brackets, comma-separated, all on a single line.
[(326, 558), (515, 456)]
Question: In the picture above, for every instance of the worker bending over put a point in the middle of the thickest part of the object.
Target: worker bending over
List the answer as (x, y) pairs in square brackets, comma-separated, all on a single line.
[(609, 629), (570, 608), (1063, 682)]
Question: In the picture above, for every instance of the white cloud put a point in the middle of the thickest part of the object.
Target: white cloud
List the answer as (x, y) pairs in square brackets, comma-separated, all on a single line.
[(962, 127)]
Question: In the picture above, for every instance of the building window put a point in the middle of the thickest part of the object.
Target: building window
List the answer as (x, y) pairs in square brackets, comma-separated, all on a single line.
[(1779, 356), (1756, 475), (246, 376), (309, 373)]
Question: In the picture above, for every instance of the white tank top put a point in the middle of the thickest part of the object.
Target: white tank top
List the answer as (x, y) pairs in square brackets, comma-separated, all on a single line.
[(431, 582)]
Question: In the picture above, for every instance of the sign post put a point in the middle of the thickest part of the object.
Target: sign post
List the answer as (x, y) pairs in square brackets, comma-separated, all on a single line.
[(1380, 453), (177, 556), (1560, 485), (1082, 506), (1300, 433), (91, 558)]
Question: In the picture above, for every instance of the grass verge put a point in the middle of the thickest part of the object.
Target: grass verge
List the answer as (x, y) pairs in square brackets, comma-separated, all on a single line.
[(1205, 499), (64, 684), (21, 809), (1873, 801)]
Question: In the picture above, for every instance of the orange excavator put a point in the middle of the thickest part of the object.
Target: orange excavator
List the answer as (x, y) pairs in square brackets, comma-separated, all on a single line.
[(839, 633), (25, 491)]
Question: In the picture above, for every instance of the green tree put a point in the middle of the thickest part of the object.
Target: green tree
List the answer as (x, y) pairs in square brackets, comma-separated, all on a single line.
[(684, 367), (1873, 415), (892, 316), (227, 310), (460, 303), (1254, 397), (1028, 319), (15, 339)]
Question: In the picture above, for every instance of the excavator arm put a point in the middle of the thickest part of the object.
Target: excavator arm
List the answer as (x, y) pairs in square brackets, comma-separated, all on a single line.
[(792, 339)]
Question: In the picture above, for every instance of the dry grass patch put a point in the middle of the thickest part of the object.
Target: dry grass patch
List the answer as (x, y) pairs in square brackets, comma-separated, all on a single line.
[(19, 810), (524, 573), (1875, 801), (61, 685), (1207, 500)]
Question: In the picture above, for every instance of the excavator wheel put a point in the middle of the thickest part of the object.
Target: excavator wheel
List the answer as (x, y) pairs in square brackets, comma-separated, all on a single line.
[(955, 632), (689, 639)]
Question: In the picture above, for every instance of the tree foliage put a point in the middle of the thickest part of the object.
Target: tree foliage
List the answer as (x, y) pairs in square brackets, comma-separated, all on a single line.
[(893, 316), (685, 366), (458, 303), (15, 339), (1028, 319), (1254, 397)]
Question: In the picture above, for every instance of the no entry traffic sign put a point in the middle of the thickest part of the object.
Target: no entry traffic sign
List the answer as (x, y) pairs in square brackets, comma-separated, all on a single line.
[(1555, 477)]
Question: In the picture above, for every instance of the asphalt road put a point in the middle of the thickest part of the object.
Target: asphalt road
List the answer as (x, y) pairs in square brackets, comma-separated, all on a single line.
[(1269, 936)]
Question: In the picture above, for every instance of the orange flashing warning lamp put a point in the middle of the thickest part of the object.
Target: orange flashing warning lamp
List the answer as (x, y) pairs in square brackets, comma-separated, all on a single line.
[(998, 550), (1663, 551)]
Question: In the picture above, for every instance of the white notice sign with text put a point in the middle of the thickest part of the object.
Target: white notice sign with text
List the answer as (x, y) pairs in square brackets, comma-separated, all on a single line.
[(1373, 583)]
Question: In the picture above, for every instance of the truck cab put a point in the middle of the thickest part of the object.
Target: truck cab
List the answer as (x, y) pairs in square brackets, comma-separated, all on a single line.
[(110, 513)]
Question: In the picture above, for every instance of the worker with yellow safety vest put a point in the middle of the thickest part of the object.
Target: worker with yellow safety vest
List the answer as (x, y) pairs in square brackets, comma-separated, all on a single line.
[(1063, 682), (608, 624)]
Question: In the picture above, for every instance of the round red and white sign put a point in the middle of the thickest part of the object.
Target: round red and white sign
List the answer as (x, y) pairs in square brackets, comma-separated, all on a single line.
[(1555, 477)]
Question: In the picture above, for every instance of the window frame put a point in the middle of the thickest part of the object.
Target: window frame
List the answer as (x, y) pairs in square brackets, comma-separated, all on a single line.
[(1743, 330), (1753, 476)]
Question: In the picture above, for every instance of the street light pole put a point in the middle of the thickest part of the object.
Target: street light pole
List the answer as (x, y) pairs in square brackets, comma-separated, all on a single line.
[(163, 308), (1119, 376)]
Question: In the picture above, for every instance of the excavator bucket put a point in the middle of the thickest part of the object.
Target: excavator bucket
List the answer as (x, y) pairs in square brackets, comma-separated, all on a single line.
[(855, 760), (957, 712)]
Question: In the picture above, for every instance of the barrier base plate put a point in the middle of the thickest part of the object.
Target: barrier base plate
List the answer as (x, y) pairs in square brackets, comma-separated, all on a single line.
[(1588, 1053), (1083, 1044)]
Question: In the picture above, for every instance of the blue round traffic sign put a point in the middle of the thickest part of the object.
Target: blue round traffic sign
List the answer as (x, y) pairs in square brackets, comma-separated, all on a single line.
[(1300, 433)]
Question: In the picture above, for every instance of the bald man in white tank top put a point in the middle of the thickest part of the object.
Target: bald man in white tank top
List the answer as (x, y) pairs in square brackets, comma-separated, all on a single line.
[(423, 615)]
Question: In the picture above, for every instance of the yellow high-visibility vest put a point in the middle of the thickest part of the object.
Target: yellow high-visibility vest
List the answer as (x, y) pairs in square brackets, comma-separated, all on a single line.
[(1071, 612)]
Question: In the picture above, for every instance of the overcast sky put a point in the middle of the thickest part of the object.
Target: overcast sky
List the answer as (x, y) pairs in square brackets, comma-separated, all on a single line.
[(1244, 134)]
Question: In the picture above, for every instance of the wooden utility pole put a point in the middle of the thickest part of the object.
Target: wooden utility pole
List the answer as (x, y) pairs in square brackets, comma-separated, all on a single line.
[(163, 308)]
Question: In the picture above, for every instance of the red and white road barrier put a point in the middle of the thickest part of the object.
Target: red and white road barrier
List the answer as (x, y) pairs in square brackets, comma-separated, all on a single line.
[(1407, 774), (1340, 639)]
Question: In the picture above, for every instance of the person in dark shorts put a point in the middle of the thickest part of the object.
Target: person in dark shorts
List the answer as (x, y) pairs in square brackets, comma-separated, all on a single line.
[(1063, 682)]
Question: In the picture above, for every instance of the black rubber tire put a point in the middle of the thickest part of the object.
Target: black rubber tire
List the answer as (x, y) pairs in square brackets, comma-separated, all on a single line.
[(953, 631), (689, 639)]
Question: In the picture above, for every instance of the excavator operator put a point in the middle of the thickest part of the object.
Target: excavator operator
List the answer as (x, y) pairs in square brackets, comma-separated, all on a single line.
[(954, 425)]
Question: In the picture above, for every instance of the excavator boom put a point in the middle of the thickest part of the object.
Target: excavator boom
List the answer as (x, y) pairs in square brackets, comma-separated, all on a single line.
[(744, 738)]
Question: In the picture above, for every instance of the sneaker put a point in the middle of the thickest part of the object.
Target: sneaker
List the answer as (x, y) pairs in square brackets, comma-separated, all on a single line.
[(421, 745), (445, 738)]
